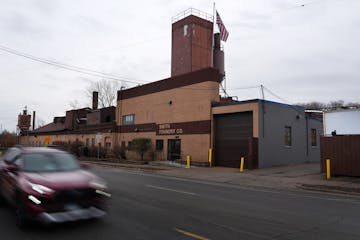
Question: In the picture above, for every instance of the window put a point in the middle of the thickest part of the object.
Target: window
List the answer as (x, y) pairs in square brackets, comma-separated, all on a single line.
[(49, 162), (313, 137), (107, 147), (287, 136), (93, 142), (128, 119), (159, 145), (129, 144)]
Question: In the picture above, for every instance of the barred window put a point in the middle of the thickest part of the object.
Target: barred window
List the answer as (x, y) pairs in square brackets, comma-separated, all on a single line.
[(313, 137), (128, 119), (287, 136), (159, 145)]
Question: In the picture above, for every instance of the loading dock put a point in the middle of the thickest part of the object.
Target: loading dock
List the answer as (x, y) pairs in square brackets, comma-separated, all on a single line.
[(233, 133)]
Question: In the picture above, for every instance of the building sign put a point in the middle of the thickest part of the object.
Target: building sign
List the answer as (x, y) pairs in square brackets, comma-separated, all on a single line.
[(47, 140), (98, 137), (168, 129)]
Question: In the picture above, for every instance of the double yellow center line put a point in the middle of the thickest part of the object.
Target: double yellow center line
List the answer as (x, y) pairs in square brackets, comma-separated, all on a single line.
[(195, 236)]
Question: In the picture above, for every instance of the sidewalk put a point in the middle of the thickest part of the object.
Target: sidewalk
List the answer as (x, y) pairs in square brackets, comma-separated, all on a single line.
[(305, 176)]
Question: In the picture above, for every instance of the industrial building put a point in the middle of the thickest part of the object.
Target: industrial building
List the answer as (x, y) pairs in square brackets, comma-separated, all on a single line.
[(185, 115)]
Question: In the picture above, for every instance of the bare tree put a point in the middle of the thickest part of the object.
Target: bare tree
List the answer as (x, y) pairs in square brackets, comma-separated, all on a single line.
[(39, 122), (313, 105), (74, 104), (107, 92), (332, 105), (336, 104)]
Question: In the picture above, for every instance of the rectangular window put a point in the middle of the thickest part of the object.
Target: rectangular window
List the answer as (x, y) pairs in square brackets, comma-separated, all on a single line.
[(287, 136), (313, 137), (107, 147), (159, 145), (128, 119), (129, 144)]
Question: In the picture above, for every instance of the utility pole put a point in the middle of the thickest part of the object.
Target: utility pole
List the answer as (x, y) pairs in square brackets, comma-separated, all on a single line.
[(262, 92), (263, 110)]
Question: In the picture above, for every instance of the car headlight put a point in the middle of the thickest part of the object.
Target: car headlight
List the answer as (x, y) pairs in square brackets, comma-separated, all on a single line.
[(106, 194), (40, 188), (100, 188), (97, 185)]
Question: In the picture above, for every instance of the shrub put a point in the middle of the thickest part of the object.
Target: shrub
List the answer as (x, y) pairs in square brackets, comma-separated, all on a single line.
[(141, 146), (119, 151), (76, 148)]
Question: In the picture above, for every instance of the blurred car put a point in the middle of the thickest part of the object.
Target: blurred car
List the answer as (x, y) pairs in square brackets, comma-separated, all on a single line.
[(50, 186)]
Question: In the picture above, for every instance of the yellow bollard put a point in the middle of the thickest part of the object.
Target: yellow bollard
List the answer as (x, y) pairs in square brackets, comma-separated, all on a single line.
[(188, 161), (328, 169), (242, 164), (210, 157)]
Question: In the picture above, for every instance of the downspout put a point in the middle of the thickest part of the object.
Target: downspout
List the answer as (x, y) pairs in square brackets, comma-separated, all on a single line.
[(263, 110), (307, 136), (120, 115)]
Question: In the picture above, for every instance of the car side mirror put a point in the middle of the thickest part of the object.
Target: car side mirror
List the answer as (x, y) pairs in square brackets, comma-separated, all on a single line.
[(12, 168)]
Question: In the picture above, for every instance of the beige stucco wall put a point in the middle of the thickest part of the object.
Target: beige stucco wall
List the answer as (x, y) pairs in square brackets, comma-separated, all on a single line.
[(195, 145), (254, 107), (189, 103), (40, 139)]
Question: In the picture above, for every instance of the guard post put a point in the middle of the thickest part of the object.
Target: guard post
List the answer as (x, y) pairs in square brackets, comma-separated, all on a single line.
[(187, 161), (242, 164), (328, 173), (210, 157)]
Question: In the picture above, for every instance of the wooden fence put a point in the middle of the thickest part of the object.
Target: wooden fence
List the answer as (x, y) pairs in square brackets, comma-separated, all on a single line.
[(344, 154)]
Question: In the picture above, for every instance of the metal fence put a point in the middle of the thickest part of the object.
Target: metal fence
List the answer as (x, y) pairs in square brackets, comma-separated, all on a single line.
[(192, 11), (344, 154)]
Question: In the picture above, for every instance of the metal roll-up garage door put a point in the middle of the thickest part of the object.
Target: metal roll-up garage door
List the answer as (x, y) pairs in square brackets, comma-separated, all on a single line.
[(232, 136)]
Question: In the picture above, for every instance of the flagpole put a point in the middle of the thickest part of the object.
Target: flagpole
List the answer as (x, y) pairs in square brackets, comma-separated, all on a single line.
[(212, 38)]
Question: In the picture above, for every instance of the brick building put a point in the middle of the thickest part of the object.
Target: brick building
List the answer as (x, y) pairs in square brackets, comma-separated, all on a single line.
[(185, 115)]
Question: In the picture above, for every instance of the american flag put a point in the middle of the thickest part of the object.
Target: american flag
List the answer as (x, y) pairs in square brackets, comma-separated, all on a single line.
[(223, 32)]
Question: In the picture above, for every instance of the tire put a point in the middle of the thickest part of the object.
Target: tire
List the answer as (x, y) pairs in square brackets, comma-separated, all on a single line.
[(1, 196), (21, 220)]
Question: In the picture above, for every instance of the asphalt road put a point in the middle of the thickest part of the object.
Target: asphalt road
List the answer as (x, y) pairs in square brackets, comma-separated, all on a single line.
[(145, 206)]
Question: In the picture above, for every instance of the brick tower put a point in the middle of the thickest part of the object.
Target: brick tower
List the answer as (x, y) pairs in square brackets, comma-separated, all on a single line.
[(191, 42)]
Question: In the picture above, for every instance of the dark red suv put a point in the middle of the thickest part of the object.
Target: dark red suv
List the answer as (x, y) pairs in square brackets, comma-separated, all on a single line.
[(49, 185)]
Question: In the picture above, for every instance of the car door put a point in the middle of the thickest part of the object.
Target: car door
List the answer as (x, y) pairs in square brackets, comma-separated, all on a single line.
[(9, 178)]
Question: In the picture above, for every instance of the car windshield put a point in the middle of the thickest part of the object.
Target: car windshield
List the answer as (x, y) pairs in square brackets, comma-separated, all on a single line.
[(49, 162)]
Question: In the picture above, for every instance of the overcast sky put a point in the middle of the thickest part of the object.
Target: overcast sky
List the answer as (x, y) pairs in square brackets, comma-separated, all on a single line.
[(301, 53)]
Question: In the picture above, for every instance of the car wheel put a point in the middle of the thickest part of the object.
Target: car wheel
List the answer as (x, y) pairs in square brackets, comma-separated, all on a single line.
[(1, 196), (21, 220)]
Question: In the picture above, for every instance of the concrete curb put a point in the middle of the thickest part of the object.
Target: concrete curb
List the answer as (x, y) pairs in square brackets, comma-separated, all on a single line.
[(160, 169), (331, 189), (143, 167)]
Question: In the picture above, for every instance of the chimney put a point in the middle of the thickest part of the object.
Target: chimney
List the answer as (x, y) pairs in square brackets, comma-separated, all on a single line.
[(95, 100), (33, 123), (218, 56)]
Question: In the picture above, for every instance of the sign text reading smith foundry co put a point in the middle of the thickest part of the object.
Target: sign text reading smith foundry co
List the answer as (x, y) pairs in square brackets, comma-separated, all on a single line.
[(165, 129)]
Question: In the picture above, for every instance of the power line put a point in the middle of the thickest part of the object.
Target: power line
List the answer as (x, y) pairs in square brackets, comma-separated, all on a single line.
[(275, 95), (68, 66)]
